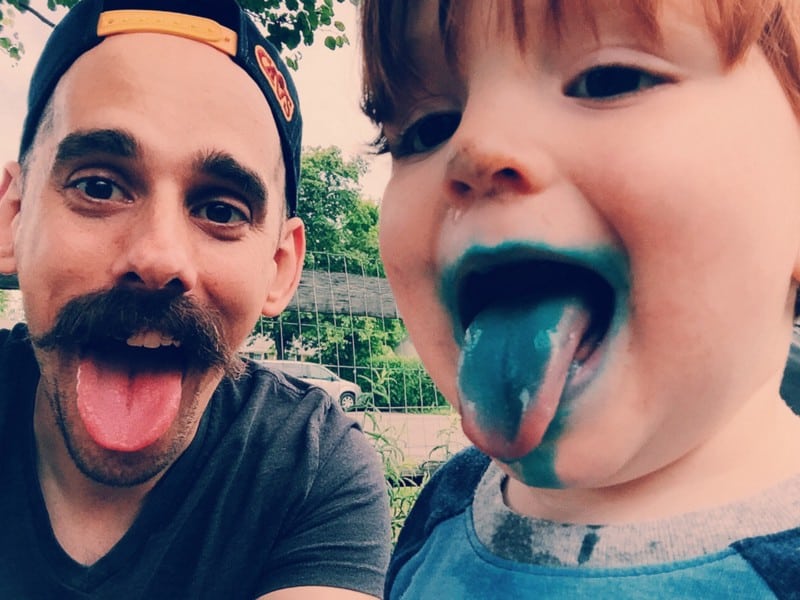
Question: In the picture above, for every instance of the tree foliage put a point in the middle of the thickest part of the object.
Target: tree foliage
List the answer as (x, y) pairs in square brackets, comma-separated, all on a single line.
[(339, 223), (288, 23), (342, 234)]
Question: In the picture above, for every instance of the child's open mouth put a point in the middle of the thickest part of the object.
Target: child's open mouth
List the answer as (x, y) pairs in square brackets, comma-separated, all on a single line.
[(531, 281), (529, 323), (129, 392)]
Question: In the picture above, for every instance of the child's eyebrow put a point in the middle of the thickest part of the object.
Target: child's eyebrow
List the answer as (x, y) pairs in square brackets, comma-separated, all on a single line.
[(78, 144)]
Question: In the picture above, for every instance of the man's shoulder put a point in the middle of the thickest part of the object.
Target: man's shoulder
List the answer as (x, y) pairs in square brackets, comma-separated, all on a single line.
[(17, 361), (19, 374), (266, 392), (276, 412), (317, 481), (15, 337)]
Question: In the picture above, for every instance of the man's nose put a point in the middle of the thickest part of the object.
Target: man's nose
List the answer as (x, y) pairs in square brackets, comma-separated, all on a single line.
[(156, 251)]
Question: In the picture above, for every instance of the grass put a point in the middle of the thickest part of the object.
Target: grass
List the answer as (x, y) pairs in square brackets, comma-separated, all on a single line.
[(402, 485), (405, 479)]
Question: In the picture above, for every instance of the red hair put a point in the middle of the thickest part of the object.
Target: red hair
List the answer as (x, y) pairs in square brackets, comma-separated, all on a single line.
[(735, 24)]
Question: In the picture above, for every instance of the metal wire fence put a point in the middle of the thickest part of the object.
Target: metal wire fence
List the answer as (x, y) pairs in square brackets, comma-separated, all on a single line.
[(344, 317)]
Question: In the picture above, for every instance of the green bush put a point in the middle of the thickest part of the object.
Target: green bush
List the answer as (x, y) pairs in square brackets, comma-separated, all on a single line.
[(404, 478), (397, 382), (400, 486)]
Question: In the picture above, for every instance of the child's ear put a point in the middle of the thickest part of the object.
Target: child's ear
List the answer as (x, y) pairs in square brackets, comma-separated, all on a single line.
[(10, 203), (289, 256)]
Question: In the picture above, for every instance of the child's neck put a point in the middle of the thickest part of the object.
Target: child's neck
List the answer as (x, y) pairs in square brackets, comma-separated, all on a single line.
[(759, 448)]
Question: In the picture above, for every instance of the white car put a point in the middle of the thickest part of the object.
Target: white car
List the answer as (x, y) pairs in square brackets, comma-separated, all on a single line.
[(346, 392)]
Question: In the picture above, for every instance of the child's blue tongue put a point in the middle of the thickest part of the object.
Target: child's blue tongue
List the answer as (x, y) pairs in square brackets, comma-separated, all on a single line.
[(515, 361)]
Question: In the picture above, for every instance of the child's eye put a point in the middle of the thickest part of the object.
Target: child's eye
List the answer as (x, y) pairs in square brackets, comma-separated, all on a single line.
[(611, 81), (427, 133)]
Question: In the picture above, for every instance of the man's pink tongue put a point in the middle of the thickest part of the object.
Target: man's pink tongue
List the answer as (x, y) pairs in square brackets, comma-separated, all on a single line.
[(514, 368), (126, 409)]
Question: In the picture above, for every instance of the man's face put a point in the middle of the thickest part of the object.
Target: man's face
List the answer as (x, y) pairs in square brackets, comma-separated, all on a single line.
[(592, 237), (159, 173)]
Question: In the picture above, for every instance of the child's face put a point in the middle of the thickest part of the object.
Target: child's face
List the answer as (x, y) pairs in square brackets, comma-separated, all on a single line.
[(593, 238)]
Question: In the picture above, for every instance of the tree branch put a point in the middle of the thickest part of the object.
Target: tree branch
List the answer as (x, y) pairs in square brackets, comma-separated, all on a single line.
[(24, 6)]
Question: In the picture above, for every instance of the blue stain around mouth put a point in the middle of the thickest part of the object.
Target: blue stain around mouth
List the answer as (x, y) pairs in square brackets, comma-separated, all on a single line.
[(609, 263), (507, 304)]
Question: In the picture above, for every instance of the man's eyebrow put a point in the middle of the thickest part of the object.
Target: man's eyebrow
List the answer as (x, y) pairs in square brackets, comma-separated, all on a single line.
[(221, 165), (112, 142)]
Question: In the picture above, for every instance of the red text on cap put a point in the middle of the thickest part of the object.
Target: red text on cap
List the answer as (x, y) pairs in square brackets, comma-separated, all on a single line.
[(276, 81)]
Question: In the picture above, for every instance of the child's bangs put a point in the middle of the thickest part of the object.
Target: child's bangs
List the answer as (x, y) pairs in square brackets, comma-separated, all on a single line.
[(735, 24)]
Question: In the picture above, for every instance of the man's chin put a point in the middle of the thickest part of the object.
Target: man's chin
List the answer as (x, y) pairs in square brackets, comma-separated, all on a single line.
[(124, 469), (121, 471)]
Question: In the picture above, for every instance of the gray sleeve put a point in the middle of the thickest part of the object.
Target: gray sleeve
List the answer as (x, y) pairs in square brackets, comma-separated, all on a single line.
[(339, 535)]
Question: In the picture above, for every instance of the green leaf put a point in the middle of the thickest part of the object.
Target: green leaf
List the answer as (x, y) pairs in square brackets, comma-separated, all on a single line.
[(302, 22), (339, 25), (292, 39), (325, 13), (330, 42)]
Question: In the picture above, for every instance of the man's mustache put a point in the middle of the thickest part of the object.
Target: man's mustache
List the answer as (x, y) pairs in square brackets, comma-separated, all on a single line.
[(95, 319)]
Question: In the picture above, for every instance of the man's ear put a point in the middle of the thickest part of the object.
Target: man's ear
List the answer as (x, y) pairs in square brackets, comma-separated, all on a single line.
[(289, 256), (10, 203)]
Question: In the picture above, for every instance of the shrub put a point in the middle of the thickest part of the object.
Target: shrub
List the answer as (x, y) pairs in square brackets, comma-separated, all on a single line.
[(397, 382), (400, 484)]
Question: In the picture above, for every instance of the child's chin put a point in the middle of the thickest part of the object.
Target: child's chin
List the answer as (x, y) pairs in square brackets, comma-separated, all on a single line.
[(576, 461), (537, 469)]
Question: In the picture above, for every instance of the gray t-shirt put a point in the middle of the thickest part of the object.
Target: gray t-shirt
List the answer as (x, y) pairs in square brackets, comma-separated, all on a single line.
[(279, 489)]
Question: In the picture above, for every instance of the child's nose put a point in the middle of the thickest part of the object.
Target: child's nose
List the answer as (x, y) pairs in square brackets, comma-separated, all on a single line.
[(495, 165)]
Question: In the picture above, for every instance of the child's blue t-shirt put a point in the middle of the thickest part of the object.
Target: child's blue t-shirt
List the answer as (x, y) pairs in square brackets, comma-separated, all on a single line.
[(461, 541)]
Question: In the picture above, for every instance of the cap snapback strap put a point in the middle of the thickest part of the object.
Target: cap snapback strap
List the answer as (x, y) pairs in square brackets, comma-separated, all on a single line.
[(199, 29)]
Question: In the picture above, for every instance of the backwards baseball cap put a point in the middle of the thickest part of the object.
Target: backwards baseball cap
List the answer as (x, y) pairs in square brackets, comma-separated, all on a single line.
[(218, 23)]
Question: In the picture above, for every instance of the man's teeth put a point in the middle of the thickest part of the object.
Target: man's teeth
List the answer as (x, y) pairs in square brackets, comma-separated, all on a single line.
[(151, 339)]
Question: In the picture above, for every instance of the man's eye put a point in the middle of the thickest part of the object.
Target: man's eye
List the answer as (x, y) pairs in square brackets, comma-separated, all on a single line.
[(221, 212), (426, 134), (611, 81), (98, 188)]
